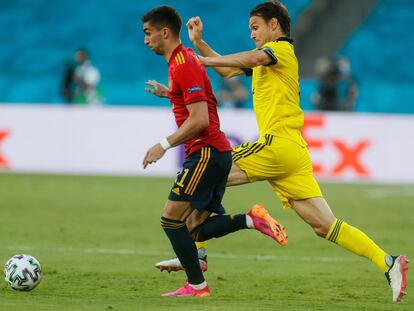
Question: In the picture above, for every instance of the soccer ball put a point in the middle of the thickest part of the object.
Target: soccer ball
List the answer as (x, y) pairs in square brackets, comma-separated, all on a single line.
[(22, 272)]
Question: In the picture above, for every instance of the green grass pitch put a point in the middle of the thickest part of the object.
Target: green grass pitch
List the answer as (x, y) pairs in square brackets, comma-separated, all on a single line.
[(98, 238)]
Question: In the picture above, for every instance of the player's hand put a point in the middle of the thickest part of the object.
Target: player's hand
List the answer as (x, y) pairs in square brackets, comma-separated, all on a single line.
[(158, 89), (153, 154), (195, 29)]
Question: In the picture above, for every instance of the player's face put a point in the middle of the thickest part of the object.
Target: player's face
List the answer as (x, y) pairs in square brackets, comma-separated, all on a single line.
[(153, 38), (261, 32)]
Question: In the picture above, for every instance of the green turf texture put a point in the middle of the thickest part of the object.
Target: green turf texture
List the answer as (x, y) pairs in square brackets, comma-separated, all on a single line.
[(98, 238)]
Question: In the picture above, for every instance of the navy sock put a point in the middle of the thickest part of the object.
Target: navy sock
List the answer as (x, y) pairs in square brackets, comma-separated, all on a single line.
[(184, 247), (219, 225)]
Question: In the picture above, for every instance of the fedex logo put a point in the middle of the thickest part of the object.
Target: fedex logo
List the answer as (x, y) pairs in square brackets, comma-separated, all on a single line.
[(349, 155), (3, 161)]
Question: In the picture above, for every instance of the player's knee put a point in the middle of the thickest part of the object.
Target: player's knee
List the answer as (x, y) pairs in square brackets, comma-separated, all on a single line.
[(168, 212), (168, 223), (196, 218), (193, 223), (176, 211)]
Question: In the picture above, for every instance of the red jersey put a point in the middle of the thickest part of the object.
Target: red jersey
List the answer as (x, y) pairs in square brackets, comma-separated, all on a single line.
[(188, 83)]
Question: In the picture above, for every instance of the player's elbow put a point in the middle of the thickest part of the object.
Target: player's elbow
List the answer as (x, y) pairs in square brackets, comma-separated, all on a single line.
[(226, 74), (199, 116), (230, 73), (252, 61), (256, 59), (203, 123)]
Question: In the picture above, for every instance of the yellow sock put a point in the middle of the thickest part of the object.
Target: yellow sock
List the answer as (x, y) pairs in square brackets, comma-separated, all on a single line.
[(357, 242), (201, 244)]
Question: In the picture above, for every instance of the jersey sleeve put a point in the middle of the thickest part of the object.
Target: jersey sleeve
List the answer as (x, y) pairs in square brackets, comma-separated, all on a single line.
[(190, 79), (270, 49)]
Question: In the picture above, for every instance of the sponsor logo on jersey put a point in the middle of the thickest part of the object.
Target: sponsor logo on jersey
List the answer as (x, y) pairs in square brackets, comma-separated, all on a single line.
[(194, 89)]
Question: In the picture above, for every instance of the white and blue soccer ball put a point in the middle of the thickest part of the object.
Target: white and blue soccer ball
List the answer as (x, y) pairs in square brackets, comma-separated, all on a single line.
[(22, 272)]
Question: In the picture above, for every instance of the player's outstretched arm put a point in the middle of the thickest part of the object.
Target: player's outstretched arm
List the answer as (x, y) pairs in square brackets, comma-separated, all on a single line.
[(197, 121), (195, 33), (158, 89), (248, 59)]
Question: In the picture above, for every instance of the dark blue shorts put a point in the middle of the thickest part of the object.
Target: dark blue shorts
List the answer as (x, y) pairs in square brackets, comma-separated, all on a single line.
[(202, 181)]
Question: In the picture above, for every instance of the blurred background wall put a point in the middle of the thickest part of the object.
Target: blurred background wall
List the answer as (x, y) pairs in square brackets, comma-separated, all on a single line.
[(38, 37)]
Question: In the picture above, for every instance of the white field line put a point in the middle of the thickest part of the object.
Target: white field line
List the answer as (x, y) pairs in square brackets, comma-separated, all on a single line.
[(385, 192), (168, 255)]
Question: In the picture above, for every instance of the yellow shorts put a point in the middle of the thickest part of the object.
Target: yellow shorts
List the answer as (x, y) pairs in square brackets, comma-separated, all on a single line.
[(285, 164)]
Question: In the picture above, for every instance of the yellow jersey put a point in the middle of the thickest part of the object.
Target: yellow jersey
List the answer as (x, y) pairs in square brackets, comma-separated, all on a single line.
[(275, 90)]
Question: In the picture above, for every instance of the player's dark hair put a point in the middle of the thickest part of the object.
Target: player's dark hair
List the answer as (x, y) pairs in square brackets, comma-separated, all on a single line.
[(273, 9), (83, 50), (164, 16)]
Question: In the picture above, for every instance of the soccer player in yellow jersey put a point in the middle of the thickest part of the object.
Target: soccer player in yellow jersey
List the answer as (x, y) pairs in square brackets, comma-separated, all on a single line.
[(280, 156)]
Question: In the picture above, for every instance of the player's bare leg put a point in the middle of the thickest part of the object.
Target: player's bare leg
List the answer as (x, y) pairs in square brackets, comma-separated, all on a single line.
[(258, 215), (196, 218), (237, 176), (317, 213)]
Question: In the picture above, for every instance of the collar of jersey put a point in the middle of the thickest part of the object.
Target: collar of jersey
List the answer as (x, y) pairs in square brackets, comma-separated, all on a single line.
[(176, 50), (290, 40)]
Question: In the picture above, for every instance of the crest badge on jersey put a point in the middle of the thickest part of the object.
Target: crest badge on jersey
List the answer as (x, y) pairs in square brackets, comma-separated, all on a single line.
[(194, 89)]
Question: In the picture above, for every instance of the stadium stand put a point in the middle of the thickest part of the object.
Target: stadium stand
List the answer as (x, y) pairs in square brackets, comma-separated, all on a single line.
[(43, 34), (381, 56)]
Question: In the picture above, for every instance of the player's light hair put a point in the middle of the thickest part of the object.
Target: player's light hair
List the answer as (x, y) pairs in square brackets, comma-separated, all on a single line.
[(273, 9), (164, 16)]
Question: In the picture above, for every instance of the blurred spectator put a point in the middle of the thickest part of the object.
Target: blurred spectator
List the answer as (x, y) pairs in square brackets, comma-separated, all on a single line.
[(68, 84), (87, 78), (337, 88), (232, 93)]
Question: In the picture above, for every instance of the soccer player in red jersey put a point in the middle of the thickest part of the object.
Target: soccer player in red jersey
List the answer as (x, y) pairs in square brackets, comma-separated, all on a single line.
[(199, 187)]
